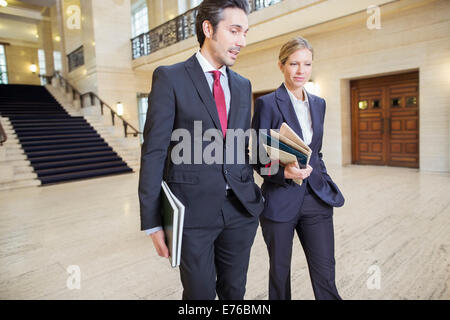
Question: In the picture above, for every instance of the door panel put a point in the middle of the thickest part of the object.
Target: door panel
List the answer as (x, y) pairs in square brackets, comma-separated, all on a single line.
[(385, 120), (370, 127), (404, 125)]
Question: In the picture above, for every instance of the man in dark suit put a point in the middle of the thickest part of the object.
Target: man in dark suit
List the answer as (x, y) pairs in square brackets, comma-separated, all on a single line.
[(221, 199)]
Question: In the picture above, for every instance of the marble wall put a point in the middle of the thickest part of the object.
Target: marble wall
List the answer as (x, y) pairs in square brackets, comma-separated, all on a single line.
[(160, 11), (19, 59)]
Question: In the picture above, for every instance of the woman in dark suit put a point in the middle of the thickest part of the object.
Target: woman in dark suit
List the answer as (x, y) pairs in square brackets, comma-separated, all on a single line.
[(289, 207)]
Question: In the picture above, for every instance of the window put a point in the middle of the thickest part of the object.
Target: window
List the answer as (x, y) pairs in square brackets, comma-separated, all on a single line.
[(3, 70), (57, 60), (42, 66), (139, 20), (41, 60)]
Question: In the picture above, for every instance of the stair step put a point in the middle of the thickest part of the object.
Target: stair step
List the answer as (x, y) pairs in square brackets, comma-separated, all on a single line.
[(31, 117), (60, 124), (25, 176), (19, 184), (22, 169), (60, 137), (84, 126), (55, 133), (12, 140), (34, 161), (16, 163), (12, 150), (17, 101), (85, 167), (61, 142), (75, 162), (28, 104), (9, 131), (84, 174), (16, 157), (25, 104), (34, 120), (37, 109), (29, 113), (32, 155), (11, 146), (65, 146)]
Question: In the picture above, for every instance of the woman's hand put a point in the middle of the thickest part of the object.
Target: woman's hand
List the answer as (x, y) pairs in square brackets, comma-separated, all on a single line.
[(293, 171)]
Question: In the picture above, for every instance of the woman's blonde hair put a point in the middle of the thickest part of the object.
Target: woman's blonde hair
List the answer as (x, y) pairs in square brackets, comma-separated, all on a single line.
[(291, 46)]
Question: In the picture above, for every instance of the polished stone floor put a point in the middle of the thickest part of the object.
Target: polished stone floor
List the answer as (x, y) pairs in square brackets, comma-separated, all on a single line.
[(392, 241)]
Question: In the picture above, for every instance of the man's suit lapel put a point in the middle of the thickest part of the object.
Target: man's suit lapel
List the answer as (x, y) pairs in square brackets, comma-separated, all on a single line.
[(235, 97), (201, 84), (287, 110)]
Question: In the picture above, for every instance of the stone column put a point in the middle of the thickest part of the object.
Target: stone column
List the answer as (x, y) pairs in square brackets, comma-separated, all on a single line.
[(46, 42), (106, 37), (60, 41), (155, 13)]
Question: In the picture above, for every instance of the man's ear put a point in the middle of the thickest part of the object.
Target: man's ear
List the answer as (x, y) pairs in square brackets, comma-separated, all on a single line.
[(207, 29)]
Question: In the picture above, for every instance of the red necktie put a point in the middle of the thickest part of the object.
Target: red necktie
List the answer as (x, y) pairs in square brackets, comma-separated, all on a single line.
[(219, 96)]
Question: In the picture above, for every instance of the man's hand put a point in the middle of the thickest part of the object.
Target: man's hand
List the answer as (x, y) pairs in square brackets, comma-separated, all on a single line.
[(293, 171), (159, 241)]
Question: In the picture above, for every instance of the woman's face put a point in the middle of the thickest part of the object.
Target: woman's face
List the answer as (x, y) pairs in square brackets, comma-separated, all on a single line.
[(297, 69)]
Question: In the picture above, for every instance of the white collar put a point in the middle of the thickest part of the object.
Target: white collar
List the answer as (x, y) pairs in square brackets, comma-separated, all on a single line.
[(206, 66), (294, 98)]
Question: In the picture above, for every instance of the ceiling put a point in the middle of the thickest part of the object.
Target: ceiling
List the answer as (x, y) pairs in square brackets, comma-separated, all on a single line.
[(18, 21), (37, 5)]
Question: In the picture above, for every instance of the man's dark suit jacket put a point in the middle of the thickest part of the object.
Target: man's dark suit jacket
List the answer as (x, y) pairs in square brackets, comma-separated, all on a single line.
[(179, 96), (283, 196)]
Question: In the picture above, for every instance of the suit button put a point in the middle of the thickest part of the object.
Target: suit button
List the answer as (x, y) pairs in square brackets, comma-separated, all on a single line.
[(226, 171)]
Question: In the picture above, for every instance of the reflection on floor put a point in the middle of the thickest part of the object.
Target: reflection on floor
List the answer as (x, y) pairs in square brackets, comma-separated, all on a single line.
[(395, 224)]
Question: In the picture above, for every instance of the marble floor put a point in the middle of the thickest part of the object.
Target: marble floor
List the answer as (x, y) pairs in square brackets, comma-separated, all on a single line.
[(392, 241)]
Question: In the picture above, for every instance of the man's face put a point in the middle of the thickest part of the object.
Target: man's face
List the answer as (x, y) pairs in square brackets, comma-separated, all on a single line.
[(229, 37)]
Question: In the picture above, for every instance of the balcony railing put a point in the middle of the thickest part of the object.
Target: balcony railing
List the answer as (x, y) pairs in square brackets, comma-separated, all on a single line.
[(76, 58), (178, 29)]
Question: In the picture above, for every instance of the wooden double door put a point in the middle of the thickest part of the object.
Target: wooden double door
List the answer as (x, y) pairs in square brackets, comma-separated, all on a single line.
[(385, 120)]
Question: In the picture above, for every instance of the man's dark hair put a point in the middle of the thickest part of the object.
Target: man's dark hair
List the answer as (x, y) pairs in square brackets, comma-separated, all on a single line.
[(212, 10)]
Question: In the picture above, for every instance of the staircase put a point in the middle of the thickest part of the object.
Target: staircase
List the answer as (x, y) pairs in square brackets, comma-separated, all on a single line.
[(129, 148), (58, 146)]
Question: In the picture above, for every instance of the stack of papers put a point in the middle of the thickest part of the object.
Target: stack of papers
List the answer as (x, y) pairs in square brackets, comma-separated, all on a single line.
[(172, 211), (286, 146)]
